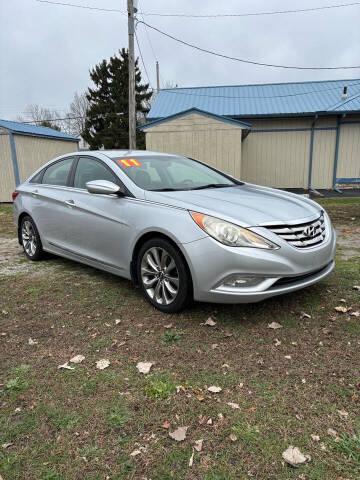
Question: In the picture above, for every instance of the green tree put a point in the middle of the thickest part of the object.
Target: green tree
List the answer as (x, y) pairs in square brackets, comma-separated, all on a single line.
[(47, 123), (107, 118)]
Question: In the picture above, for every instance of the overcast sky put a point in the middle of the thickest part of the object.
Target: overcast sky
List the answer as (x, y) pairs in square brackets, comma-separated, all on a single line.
[(46, 51)]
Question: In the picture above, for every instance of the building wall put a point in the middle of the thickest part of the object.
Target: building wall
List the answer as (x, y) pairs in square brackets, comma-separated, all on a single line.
[(7, 179), (276, 153), (211, 141), (349, 150), (32, 152), (277, 158)]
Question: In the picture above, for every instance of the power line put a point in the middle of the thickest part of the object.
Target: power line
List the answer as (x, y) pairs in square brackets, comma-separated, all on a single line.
[(251, 14), (142, 59), (71, 118), (85, 7), (252, 62), (54, 119), (215, 15), (255, 97), (149, 40)]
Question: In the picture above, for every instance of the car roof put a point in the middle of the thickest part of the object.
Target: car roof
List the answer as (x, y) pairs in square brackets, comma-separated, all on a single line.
[(129, 153)]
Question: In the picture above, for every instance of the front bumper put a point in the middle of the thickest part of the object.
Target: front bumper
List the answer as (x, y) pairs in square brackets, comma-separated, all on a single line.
[(280, 271)]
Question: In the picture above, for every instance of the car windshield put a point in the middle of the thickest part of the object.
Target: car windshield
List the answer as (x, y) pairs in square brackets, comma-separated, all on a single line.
[(171, 173)]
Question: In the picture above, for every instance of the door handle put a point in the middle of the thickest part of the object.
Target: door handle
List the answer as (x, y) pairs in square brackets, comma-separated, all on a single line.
[(34, 193), (71, 203)]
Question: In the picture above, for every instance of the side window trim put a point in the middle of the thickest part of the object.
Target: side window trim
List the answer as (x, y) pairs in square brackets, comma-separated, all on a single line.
[(70, 180), (40, 175)]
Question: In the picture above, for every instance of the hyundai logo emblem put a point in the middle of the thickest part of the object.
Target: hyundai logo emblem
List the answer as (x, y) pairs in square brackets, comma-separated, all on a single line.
[(310, 231)]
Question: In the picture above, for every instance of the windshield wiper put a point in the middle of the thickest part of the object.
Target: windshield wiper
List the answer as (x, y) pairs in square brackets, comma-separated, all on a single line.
[(213, 185), (209, 185), (165, 190)]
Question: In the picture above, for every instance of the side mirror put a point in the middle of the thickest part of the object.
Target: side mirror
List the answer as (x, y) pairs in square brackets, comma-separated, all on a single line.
[(103, 187)]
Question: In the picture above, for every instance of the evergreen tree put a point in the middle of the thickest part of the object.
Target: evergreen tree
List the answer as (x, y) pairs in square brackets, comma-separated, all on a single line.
[(47, 123), (107, 119)]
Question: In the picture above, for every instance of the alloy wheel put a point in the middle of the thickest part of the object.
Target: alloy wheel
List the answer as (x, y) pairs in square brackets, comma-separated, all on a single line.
[(160, 275), (29, 239)]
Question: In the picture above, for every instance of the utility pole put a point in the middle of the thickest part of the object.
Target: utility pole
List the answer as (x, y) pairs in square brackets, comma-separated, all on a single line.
[(157, 77), (132, 103)]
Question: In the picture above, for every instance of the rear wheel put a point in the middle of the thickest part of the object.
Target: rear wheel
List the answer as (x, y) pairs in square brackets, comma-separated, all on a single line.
[(163, 275), (30, 239)]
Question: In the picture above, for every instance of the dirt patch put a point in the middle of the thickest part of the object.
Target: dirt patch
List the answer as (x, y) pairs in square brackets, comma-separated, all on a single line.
[(14, 262), (348, 241)]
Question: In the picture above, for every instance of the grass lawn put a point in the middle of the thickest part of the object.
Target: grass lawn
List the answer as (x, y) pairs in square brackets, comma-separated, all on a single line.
[(298, 385)]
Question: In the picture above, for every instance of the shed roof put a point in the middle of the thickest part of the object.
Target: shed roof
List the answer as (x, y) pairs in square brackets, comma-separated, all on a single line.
[(34, 130), (271, 99), (237, 123)]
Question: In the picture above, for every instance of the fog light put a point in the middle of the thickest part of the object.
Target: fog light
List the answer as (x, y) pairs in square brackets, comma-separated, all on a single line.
[(239, 281)]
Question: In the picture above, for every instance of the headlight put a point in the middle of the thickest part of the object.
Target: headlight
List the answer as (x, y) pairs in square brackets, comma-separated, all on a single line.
[(230, 234)]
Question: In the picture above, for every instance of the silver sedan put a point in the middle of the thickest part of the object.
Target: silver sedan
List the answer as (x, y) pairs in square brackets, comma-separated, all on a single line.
[(179, 228)]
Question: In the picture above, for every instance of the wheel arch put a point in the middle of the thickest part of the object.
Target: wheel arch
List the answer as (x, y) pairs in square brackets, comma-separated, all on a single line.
[(140, 242)]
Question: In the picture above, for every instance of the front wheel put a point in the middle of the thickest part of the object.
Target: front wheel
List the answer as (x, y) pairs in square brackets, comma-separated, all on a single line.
[(164, 276), (30, 239)]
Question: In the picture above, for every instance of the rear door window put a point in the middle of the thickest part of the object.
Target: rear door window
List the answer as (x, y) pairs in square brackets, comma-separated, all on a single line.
[(58, 173)]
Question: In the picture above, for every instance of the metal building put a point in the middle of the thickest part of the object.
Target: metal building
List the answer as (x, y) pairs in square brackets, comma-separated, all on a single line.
[(24, 148), (293, 135)]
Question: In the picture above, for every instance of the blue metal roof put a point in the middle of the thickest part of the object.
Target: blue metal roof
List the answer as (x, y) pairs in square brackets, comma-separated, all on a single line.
[(273, 99), (26, 129), (243, 125)]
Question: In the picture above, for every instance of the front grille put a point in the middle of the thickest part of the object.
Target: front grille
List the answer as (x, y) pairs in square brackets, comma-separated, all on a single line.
[(302, 235)]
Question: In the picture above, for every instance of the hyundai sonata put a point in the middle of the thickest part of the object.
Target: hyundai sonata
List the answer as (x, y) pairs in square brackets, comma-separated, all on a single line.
[(179, 228)]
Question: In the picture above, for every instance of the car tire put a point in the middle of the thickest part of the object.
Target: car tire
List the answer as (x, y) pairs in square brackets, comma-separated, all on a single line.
[(164, 276), (30, 239)]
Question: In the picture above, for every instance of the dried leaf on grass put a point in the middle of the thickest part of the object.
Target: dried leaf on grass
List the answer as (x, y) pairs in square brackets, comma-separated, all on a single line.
[(305, 315), (214, 389), (316, 438), (198, 444), (355, 314), (32, 342), (274, 325), (179, 434), (234, 406), (233, 437), (144, 367), (103, 363), (66, 366), (210, 322), (333, 433), (77, 359), (191, 461), (341, 309), (117, 321), (343, 414), (294, 457), (166, 424), (356, 287), (135, 453), (138, 451), (7, 445)]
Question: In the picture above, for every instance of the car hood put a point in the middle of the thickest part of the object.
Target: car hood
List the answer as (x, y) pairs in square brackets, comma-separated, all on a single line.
[(247, 204)]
